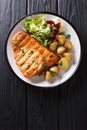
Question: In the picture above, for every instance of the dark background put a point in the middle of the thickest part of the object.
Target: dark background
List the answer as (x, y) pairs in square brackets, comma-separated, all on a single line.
[(25, 107)]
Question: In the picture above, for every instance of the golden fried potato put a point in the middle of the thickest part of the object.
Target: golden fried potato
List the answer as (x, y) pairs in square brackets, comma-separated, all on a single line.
[(60, 50), (68, 45), (54, 70), (53, 46), (68, 55), (48, 75), (63, 63), (61, 39)]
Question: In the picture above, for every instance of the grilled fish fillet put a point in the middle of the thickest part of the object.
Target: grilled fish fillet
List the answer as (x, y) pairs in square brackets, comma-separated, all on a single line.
[(31, 57)]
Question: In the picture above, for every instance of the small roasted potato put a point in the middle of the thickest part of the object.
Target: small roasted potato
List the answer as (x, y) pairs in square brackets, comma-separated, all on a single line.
[(68, 45), (60, 50), (61, 39), (54, 70), (48, 75), (63, 63), (68, 55), (53, 46)]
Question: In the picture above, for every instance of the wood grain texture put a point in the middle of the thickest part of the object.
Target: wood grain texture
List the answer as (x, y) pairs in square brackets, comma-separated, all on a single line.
[(42, 109), (42, 5), (12, 92), (73, 94)]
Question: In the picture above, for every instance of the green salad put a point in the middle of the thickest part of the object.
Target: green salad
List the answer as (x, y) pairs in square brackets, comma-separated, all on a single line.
[(42, 30)]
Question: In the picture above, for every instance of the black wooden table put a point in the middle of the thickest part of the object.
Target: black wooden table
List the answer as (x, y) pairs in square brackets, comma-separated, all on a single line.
[(24, 107)]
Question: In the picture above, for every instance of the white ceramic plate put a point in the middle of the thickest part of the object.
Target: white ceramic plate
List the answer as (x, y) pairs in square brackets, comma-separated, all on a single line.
[(39, 80)]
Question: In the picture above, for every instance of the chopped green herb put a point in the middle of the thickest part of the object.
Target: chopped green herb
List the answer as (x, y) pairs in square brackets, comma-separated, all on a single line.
[(16, 44), (62, 33), (51, 56), (68, 36), (40, 74), (44, 65), (24, 34), (22, 50), (59, 44), (32, 61), (61, 63), (31, 51), (44, 25), (43, 59), (53, 72)]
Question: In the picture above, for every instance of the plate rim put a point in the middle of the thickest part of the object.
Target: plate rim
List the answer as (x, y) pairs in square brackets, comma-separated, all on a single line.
[(36, 13)]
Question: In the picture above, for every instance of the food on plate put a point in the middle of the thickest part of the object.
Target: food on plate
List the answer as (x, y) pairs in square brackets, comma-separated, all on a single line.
[(54, 70), (60, 50), (64, 63), (31, 57), (68, 55), (68, 45), (53, 46), (41, 29), (48, 75), (61, 39), (42, 47)]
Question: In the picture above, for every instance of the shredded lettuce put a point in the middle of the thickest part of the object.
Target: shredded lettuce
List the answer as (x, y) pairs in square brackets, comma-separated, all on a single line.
[(39, 29)]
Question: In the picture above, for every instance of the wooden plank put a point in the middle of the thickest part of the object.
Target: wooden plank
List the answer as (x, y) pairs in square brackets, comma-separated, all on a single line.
[(42, 5), (42, 104), (73, 94), (42, 108), (12, 90)]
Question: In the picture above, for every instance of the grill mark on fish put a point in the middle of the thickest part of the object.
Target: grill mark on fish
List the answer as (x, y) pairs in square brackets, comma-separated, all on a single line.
[(29, 44), (32, 57), (16, 39), (28, 54)]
